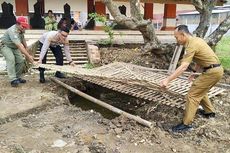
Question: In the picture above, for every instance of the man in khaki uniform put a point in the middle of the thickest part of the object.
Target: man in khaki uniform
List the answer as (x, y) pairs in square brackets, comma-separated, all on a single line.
[(196, 49), (13, 46)]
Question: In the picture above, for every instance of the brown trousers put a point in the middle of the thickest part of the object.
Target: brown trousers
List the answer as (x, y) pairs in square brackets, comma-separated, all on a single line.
[(197, 95)]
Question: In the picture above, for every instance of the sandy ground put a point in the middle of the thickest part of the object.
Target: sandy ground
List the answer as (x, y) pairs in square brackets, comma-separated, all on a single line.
[(38, 118), (57, 126)]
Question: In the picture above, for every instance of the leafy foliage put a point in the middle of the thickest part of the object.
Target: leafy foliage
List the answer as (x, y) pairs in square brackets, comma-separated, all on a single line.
[(88, 66), (223, 51), (108, 27)]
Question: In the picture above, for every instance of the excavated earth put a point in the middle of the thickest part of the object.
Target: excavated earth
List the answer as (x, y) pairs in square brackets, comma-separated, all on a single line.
[(45, 118)]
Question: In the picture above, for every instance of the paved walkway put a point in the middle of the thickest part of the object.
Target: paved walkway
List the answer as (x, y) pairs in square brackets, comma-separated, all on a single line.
[(120, 37)]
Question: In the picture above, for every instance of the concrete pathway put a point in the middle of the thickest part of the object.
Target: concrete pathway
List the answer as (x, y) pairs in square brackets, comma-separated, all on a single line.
[(120, 37)]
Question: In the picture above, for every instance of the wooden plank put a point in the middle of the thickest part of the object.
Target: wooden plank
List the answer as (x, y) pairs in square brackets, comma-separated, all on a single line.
[(103, 104), (175, 59)]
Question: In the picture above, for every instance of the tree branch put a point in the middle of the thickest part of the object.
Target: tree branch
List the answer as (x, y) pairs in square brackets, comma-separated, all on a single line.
[(198, 4), (119, 18), (205, 16), (136, 22), (135, 10), (215, 37)]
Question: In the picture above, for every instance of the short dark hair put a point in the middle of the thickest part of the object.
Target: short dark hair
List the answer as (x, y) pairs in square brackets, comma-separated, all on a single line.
[(183, 28), (65, 29), (61, 22), (72, 21), (50, 11)]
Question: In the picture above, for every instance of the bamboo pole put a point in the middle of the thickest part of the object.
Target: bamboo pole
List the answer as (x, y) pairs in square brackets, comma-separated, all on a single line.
[(103, 104)]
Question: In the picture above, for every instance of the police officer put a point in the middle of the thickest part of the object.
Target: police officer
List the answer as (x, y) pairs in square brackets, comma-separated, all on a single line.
[(13, 46), (196, 49), (54, 40)]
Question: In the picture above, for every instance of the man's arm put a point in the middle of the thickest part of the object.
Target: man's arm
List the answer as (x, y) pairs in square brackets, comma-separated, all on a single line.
[(44, 49), (24, 51), (197, 68), (164, 83), (67, 53), (24, 43), (192, 75), (14, 36)]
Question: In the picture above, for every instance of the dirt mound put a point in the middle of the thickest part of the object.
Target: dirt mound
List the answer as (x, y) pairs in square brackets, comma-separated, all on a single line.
[(134, 56)]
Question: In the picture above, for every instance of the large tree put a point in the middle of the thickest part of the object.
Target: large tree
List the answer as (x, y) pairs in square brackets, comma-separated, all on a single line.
[(152, 43)]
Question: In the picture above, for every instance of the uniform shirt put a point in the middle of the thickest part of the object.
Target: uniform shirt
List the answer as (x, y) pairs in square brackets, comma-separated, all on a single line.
[(12, 36), (198, 50), (49, 39)]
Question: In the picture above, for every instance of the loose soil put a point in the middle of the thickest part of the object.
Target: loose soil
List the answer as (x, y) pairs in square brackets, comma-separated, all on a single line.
[(57, 126)]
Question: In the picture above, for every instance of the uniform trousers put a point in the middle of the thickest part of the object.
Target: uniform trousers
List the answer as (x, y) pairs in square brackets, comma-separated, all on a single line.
[(15, 62), (197, 95)]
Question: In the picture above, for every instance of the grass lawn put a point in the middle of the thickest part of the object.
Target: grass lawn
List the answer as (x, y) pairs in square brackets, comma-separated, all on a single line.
[(223, 52)]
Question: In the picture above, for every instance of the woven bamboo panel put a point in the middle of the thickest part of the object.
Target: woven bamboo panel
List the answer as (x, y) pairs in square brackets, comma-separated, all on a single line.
[(137, 81)]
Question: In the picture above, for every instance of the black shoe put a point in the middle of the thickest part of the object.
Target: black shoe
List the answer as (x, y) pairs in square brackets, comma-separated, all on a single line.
[(21, 80), (42, 80), (42, 76), (15, 83), (206, 115), (59, 75), (182, 128)]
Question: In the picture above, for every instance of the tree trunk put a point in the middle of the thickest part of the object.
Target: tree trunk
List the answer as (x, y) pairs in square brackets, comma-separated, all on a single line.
[(151, 41), (118, 17), (203, 25), (205, 9), (215, 37), (136, 21)]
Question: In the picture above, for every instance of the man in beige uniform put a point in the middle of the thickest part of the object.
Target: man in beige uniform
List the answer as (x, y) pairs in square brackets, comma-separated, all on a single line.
[(13, 48), (196, 49)]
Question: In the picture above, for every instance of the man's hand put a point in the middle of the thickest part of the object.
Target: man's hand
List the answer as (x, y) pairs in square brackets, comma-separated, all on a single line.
[(72, 64), (30, 58), (35, 63), (191, 77), (164, 83), (39, 62)]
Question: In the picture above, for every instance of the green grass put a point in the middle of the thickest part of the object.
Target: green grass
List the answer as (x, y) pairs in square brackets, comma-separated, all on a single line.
[(223, 52), (88, 66)]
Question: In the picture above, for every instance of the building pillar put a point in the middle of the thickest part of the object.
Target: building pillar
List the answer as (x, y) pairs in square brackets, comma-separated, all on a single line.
[(148, 11), (42, 3), (90, 6), (22, 7), (169, 21), (99, 9)]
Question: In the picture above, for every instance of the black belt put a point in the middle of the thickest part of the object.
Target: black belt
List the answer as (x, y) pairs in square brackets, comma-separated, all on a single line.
[(211, 66)]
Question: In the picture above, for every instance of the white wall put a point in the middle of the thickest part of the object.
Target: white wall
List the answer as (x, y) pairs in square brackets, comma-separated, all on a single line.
[(127, 5), (81, 5), (159, 8), (31, 5), (58, 5), (7, 1)]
